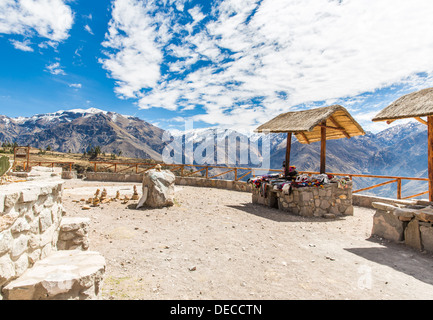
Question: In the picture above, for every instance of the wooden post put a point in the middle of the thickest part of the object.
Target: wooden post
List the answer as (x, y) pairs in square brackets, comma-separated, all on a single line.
[(430, 156), (323, 149), (288, 150), (398, 189)]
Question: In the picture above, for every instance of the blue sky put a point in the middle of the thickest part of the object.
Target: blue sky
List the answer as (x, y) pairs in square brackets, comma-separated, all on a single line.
[(225, 63)]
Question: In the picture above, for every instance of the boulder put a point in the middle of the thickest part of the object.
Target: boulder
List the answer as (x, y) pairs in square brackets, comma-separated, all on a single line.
[(388, 226), (158, 189), (412, 235)]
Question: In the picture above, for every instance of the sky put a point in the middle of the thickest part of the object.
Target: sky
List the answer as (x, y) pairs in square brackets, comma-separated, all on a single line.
[(224, 63)]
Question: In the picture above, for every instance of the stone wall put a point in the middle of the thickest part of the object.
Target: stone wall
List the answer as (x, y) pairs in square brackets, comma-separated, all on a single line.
[(324, 201), (214, 183), (183, 181), (412, 224), (30, 216), (113, 177), (367, 201)]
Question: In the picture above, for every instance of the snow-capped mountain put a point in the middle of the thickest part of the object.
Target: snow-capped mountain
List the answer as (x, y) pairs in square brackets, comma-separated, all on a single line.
[(400, 150), (77, 129)]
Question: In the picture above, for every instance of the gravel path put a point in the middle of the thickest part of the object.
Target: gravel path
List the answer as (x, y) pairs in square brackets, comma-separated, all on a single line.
[(215, 244)]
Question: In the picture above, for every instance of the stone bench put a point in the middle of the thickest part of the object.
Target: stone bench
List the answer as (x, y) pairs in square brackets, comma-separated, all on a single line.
[(71, 274), (32, 231), (411, 224)]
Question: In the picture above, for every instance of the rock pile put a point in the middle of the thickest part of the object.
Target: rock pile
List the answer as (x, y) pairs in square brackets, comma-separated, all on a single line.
[(100, 198)]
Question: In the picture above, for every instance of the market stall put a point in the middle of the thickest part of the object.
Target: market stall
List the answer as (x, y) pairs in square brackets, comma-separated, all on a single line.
[(320, 195)]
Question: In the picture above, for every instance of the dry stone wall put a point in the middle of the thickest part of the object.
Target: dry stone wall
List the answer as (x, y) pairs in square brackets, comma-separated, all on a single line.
[(214, 183), (30, 217), (327, 201), (410, 224), (182, 181)]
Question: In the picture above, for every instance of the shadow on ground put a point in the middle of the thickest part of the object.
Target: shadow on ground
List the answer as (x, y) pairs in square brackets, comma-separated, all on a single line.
[(276, 214), (399, 257)]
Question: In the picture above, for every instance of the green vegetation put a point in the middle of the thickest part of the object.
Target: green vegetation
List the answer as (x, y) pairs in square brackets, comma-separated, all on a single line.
[(8, 147), (4, 165)]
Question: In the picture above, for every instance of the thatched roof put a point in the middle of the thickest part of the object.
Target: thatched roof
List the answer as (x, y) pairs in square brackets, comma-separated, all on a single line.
[(306, 124), (412, 105)]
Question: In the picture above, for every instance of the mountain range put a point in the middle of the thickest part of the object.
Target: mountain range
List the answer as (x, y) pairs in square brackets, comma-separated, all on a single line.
[(400, 150), (77, 130)]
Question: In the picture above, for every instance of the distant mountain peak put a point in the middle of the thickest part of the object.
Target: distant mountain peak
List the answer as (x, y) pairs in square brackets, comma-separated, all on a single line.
[(89, 110)]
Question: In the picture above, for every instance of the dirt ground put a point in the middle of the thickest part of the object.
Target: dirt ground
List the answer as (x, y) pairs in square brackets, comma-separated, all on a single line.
[(215, 244)]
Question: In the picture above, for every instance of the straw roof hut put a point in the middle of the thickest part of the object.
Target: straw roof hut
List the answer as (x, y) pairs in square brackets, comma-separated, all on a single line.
[(307, 124), (320, 124), (414, 105)]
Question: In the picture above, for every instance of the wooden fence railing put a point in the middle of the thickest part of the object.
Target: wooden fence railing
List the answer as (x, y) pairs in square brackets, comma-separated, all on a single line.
[(241, 172), (49, 164)]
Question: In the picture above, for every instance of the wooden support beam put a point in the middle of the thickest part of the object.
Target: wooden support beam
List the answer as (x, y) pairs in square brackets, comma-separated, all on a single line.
[(191, 173), (375, 186), (288, 150), (421, 120), (323, 149), (331, 127), (335, 122), (305, 137), (398, 189), (415, 195), (221, 173), (244, 175), (430, 156)]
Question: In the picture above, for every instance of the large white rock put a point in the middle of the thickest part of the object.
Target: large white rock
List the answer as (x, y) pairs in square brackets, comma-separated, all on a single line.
[(158, 189), (71, 274)]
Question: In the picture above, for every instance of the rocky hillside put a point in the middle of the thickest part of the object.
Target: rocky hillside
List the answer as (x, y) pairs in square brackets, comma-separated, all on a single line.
[(77, 130)]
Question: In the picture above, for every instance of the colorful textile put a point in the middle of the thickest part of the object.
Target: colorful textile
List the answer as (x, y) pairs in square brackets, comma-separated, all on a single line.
[(278, 182)]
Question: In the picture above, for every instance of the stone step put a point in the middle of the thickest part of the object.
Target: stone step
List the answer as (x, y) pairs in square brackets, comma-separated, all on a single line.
[(74, 233), (63, 275)]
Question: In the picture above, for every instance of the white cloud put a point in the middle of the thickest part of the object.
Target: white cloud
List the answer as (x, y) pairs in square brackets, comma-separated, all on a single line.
[(278, 52), (88, 29), (55, 69), (135, 57), (51, 19), (196, 14), (22, 45), (46, 44), (75, 85)]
